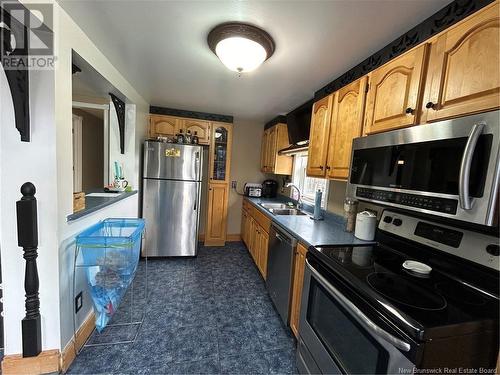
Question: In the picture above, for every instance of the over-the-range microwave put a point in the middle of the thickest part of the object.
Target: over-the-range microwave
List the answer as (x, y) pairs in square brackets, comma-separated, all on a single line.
[(448, 169)]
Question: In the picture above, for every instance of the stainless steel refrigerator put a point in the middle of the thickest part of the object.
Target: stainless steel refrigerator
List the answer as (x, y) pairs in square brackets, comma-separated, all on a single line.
[(172, 180)]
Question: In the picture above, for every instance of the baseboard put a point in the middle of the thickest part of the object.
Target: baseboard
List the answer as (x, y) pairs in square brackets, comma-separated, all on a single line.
[(68, 354), (44, 363), (233, 237)]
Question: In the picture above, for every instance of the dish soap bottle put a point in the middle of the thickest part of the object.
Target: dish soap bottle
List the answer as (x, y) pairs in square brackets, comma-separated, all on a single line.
[(179, 137), (188, 137), (195, 139)]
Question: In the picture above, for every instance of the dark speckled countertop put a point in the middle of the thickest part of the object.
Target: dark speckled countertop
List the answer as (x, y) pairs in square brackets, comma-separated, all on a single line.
[(93, 204), (329, 231)]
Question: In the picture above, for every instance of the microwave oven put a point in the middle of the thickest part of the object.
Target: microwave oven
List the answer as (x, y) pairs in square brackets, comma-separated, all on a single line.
[(448, 169)]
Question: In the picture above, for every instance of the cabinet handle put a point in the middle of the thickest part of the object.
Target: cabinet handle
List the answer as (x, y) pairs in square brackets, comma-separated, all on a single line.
[(430, 105), (410, 111), (328, 167), (321, 167)]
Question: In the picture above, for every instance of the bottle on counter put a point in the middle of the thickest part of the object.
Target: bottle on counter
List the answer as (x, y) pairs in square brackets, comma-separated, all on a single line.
[(188, 138), (350, 211), (195, 139), (179, 137)]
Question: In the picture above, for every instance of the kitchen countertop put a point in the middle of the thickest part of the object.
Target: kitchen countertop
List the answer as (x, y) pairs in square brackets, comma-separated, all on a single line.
[(93, 204), (329, 231)]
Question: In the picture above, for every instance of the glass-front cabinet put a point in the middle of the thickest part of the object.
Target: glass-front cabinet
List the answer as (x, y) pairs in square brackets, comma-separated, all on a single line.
[(220, 153)]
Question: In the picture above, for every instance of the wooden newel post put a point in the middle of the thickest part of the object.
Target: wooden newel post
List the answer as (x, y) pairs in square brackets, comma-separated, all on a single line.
[(27, 238)]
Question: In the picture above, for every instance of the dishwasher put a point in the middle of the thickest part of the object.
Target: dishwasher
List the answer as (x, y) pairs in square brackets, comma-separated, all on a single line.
[(279, 269)]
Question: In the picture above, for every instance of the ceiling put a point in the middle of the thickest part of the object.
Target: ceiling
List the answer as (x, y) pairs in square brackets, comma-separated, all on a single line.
[(161, 47)]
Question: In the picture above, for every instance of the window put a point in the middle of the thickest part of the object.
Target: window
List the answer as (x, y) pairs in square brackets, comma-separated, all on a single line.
[(307, 185)]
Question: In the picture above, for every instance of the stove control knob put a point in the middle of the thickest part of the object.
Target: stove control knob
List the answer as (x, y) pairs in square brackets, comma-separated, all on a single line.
[(397, 222), (388, 219), (493, 250)]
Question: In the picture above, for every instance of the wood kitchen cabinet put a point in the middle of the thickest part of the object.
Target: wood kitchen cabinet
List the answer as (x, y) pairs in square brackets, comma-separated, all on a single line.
[(395, 88), (464, 74), (346, 124), (275, 139), (165, 126), (298, 280), (318, 136), (169, 126), (218, 186), (255, 235)]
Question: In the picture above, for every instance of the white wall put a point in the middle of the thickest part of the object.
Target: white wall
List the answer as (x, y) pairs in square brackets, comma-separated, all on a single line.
[(71, 37), (36, 162)]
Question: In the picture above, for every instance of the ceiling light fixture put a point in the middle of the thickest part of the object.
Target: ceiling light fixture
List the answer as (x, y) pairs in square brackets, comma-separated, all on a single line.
[(239, 46)]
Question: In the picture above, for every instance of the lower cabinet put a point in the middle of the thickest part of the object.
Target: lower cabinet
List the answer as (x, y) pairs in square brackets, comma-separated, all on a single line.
[(298, 280), (215, 232), (255, 235)]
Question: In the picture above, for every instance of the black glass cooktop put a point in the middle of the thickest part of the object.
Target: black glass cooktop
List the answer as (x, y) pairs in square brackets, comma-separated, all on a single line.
[(425, 304)]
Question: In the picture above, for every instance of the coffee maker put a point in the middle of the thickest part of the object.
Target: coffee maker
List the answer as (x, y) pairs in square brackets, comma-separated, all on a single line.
[(269, 189)]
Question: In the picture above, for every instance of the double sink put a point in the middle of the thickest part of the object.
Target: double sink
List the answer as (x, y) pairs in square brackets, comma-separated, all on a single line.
[(282, 209)]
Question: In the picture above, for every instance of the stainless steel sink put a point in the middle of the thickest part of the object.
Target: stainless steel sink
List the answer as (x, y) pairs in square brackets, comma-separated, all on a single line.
[(286, 211), (279, 206)]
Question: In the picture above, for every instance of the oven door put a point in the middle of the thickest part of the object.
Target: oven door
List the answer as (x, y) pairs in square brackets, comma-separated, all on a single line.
[(337, 337), (450, 168)]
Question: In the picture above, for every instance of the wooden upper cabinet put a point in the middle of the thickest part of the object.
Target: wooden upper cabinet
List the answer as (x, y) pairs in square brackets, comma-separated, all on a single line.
[(394, 92), (271, 149), (160, 125), (263, 151), (464, 73), (318, 137), (200, 127), (346, 124)]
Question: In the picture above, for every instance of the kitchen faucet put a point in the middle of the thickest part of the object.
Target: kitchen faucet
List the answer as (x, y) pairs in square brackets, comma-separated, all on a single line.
[(299, 200)]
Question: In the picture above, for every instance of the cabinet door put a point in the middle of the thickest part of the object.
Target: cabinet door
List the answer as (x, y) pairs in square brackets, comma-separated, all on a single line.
[(318, 137), (347, 124), (264, 243), (220, 153), (163, 126), (464, 74), (282, 163), (200, 127), (257, 246), (217, 215), (244, 217), (393, 96), (248, 231), (252, 236), (263, 152), (298, 280), (272, 149)]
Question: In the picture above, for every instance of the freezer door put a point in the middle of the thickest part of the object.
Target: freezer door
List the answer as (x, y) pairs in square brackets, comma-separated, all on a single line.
[(172, 161), (171, 211)]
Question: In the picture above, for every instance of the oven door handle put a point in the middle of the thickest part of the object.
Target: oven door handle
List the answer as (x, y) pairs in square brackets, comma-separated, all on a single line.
[(362, 318), (463, 179)]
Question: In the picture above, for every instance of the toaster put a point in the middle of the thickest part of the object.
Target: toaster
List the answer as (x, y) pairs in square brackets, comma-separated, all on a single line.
[(253, 190)]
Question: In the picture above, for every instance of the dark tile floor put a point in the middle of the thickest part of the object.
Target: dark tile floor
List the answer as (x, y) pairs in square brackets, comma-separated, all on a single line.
[(206, 315)]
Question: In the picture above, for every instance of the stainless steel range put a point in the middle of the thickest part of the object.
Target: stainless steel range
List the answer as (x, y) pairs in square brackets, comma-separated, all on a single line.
[(365, 310)]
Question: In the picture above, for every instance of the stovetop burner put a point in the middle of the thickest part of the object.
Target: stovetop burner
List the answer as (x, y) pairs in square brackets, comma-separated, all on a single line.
[(400, 290)]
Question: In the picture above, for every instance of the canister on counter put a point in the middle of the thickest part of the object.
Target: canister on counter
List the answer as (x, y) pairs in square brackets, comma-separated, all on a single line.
[(350, 210)]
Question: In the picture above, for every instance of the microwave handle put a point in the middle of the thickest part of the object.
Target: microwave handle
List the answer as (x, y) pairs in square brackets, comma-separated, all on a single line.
[(463, 179), (347, 304)]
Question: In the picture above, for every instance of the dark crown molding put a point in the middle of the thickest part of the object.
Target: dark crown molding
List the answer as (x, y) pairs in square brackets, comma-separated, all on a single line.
[(444, 18), (281, 119), (190, 114)]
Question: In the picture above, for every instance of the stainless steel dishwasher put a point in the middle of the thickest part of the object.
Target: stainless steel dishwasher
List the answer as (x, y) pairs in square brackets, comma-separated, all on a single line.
[(279, 269)]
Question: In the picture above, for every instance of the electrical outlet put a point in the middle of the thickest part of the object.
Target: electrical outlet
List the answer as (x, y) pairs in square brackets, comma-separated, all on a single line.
[(234, 184), (78, 302)]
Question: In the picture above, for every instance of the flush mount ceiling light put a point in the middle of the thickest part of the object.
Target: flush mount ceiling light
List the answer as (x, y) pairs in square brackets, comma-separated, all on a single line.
[(241, 47)]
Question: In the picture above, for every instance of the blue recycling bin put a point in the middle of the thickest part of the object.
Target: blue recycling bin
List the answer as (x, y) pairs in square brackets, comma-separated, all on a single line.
[(109, 252)]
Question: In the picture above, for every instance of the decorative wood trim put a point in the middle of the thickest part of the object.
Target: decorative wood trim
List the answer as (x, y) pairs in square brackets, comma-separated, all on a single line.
[(18, 78), (120, 113), (235, 237), (190, 114), (277, 120), (435, 24), (44, 363), (68, 354)]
